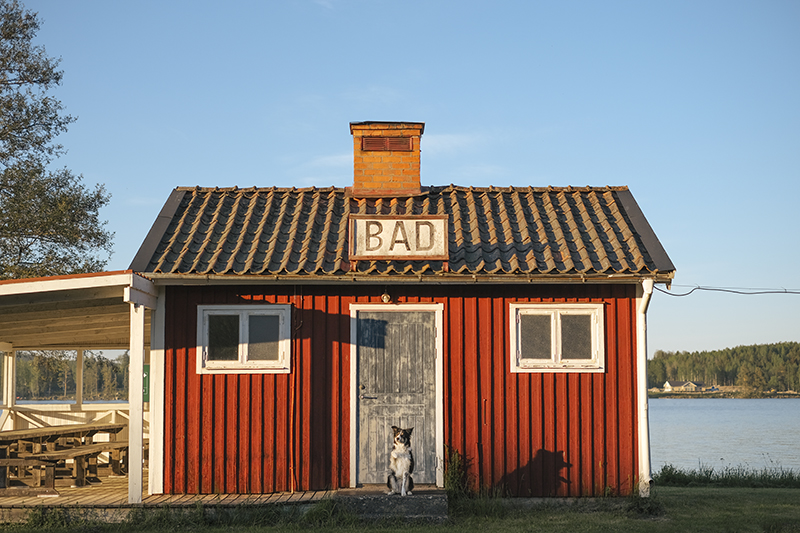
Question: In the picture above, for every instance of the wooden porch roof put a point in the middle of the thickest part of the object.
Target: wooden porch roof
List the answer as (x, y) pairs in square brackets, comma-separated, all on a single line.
[(70, 312)]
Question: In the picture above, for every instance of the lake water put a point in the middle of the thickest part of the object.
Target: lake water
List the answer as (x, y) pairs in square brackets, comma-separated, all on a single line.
[(725, 432)]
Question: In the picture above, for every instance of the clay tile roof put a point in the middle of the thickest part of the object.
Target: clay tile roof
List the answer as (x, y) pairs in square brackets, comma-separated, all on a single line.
[(585, 231)]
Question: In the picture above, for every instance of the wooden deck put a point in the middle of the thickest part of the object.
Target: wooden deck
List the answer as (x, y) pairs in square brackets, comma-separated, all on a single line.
[(112, 493)]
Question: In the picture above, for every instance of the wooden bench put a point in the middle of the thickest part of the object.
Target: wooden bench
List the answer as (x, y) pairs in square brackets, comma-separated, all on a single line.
[(21, 448), (84, 460), (24, 463)]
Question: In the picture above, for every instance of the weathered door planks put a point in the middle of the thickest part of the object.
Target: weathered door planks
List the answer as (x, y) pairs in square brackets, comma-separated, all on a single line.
[(396, 386)]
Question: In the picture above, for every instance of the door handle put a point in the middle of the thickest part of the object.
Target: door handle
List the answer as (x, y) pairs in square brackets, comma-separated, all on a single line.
[(363, 397)]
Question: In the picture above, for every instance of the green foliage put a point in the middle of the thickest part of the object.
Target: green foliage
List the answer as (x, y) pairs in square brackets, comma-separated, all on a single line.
[(463, 499), (49, 221), (456, 482), (645, 507), (328, 513), (674, 509), (755, 368), (730, 476), (62, 519)]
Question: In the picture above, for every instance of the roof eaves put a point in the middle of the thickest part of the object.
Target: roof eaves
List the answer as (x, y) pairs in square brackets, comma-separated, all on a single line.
[(430, 277)]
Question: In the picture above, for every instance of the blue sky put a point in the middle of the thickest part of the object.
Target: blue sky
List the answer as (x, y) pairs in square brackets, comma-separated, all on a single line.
[(693, 105)]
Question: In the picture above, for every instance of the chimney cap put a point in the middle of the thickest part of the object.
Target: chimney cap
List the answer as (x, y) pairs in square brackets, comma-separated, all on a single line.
[(389, 124)]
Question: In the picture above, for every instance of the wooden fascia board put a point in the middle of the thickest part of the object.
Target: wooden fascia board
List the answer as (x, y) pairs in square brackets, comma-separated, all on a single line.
[(46, 298), (67, 283), (157, 231), (435, 279), (41, 285), (101, 286), (651, 243)]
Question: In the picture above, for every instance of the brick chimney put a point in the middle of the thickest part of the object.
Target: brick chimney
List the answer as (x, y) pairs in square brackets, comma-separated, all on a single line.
[(386, 158)]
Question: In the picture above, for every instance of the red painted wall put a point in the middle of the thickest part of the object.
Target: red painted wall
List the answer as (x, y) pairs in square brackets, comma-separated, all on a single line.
[(531, 434)]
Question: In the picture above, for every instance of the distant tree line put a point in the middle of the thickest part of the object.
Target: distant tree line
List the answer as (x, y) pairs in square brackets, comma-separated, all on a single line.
[(52, 375), (758, 367)]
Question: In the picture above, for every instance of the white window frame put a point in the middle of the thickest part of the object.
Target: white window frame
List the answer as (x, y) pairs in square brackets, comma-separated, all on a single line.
[(555, 363), (243, 365)]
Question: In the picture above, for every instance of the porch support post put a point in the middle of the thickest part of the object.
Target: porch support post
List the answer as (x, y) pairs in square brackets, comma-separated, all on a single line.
[(136, 402), (79, 379), (9, 397)]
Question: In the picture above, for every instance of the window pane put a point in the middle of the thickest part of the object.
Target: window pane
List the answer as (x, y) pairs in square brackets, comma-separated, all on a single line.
[(46, 375), (264, 338), (535, 337), (105, 375), (223, 337), (576, 337)]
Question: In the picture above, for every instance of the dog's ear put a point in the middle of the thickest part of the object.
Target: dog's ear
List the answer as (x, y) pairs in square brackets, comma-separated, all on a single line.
[(395, 429), (409, 431)]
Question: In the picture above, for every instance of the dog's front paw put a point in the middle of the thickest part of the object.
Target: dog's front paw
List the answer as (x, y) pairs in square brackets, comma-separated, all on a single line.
[(390, 493), (408, 493)]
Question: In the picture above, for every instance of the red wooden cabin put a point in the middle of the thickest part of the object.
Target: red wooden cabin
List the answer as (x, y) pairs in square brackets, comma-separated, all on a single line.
[(295, 326)]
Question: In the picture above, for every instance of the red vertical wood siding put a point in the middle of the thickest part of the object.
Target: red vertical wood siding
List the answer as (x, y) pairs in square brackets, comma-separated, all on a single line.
[(528, 434)]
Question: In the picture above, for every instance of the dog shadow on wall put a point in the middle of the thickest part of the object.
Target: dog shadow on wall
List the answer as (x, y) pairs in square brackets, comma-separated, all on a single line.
[(543, 476)]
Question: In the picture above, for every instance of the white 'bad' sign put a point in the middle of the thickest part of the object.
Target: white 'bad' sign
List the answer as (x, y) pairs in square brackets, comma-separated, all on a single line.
[(398, 237)]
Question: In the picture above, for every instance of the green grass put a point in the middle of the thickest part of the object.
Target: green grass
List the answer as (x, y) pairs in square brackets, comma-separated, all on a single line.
[(729, 476), (671, 509)]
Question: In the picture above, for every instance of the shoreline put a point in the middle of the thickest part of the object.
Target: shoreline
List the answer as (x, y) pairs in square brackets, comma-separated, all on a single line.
[(725, 394)]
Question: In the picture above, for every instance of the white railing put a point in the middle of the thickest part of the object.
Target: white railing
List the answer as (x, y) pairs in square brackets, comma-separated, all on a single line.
[(37, 414)]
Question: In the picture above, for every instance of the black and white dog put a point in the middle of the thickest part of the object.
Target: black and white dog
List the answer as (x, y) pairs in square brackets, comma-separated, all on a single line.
[(401, 463)]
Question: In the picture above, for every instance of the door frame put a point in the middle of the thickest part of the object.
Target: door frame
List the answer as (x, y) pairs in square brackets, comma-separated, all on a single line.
[(438, 310)]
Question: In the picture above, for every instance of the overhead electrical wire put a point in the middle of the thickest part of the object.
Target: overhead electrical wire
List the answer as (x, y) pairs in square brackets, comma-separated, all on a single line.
[(733, 290)]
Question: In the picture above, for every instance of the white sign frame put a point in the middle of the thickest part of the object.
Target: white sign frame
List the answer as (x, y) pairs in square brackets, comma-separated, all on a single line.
[(399, 237)]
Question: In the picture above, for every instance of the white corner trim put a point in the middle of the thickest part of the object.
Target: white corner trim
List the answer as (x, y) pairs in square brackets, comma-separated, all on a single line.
[(644, 292), (136, 405), (155, 483)]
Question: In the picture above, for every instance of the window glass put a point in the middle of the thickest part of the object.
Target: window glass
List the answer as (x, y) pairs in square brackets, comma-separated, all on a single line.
[(535, 336), (238, 339), (576, 336), (46, 375), (556, 337), (264, 338), (105, 375), (223, 337)]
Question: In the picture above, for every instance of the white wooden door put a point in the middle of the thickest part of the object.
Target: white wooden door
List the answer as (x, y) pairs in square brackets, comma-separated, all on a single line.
[(395, 387)]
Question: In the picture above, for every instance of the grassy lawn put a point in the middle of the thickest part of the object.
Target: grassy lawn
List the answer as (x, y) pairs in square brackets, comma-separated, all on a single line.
[(671, 509)]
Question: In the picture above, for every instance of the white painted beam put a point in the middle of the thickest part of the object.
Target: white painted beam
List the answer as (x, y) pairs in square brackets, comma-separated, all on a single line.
[(79, 281), (135, 296)]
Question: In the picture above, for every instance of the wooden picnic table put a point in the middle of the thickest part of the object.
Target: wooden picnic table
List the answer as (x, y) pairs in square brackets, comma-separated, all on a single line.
[(46, 446), (47, 436)]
